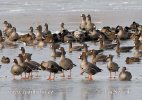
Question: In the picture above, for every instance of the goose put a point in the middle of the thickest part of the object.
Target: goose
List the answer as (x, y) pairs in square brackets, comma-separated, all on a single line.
[(112, 66), (89, 25), (14, 36), (36, 65), (89, 52), (23, 53), (122, 48), (52, 67), (98, 57), (83, 22), (130, 60), (125, 75), (121, 33), (66, 63), (54, 52), (46, 31), (74, 48), (104, 46), (16, 69), (5, 60), (89, 68), (27, 67)]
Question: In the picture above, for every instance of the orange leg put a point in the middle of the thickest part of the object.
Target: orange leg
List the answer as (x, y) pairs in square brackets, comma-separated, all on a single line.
[(63, 75), (13, 77), (29, 75), (37, 74), (53, 77), (81, 73), (21, 76), (25, 76), (110, 74), (87, 76), (49, 78), (115, 75), (69, 76), (90, 77)]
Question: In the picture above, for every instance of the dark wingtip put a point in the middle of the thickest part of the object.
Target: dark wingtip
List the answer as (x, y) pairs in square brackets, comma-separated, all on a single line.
[(74, 64)]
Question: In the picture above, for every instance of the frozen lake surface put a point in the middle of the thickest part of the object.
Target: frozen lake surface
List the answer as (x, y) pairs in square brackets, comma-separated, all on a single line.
[(26, 13)]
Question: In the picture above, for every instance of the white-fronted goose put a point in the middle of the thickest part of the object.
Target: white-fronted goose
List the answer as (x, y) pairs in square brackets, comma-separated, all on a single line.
[(98, 57), (130, 60), (16, 69), (89, 25), (5, 60), (89, 68), (125, 75), (46, 31), (112, 66), (83, 22), (74, 48), (52, 67), (66, 63)]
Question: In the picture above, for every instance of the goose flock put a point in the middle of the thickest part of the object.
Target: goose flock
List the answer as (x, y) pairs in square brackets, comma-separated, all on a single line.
[(107, 38)]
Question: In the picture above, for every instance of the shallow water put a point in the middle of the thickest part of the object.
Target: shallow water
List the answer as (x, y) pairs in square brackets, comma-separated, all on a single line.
[(25, 13)]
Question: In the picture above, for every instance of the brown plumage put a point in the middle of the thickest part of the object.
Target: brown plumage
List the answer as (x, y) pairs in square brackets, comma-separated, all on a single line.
[(125, 75), (54, 52), (16, 69), (52, 67), (74, 48), (112, 66), (87, 67), (5, 60), (130, 60), (98, 57), (66, 63)]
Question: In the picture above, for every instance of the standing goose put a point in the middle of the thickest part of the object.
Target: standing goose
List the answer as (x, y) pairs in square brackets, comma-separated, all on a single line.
[(16, 69), (23, 53), (89, 68), (52, 67), (38, 33), (112, 66), (1, 37), (125, 75), (31, 32), (9, 30), (83, 22), (14, 36), (89, 25), (66, 63), (46, 31), (36, 65), (5, 27), (27, 67)]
